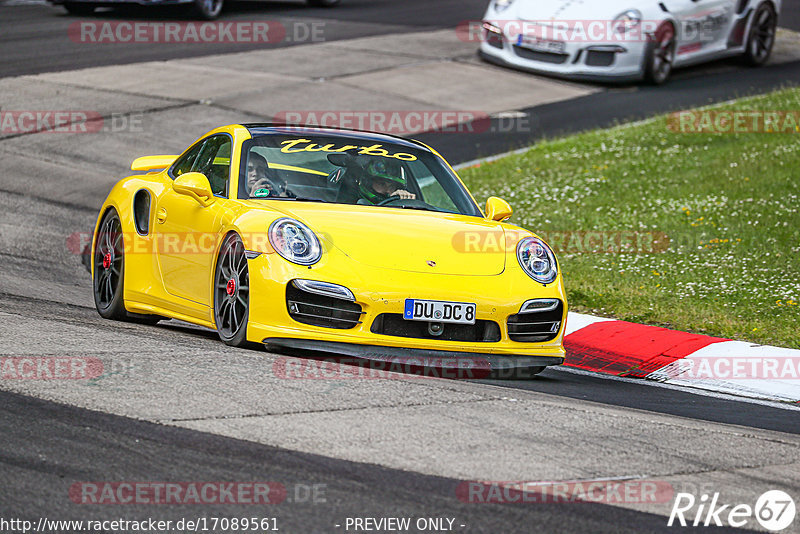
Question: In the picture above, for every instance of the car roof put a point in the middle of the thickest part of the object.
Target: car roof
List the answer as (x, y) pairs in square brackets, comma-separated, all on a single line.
[(258, 129)]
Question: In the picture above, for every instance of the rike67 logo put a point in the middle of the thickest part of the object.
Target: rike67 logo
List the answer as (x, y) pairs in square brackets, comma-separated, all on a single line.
[(774, 510)]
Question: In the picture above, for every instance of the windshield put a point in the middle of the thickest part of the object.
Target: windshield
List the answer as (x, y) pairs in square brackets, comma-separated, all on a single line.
[(349, 170)]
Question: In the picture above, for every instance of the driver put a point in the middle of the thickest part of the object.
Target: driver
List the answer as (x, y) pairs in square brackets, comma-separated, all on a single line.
[(382, 178), (260, 177)]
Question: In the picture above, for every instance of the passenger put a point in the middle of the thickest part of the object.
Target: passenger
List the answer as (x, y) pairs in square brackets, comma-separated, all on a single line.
[(261, 177)]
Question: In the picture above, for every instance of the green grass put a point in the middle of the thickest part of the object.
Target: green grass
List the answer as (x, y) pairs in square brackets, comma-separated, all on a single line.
[(728, 202)]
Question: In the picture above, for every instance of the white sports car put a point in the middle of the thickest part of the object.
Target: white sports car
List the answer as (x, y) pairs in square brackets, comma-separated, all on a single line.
[(625, 40)]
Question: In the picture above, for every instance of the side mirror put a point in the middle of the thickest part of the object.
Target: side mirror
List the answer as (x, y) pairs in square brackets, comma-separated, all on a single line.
[(497, 209), (195, 185)]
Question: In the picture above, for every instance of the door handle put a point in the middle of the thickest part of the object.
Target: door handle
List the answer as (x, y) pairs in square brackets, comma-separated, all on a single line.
[(161, 215)]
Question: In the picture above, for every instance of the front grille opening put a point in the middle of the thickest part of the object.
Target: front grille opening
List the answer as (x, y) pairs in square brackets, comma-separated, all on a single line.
[(494, 39), (393, 324), (600, 58), (545, 57), (536, 327), (320, 310)]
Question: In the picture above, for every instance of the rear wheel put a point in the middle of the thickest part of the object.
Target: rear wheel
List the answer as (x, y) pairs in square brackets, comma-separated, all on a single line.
[(232, 293), (207, 9), (660, 55), (762, 36), (79, 9)]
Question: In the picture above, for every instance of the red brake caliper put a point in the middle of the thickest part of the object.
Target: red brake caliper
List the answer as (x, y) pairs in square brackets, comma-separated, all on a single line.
[(231, 287), (107, 260)]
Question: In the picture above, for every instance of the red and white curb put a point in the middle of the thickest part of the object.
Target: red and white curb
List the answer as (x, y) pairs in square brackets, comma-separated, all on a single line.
[(631, 350)]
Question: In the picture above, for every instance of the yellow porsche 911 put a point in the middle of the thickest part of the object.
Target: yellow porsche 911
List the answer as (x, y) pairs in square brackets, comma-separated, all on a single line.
[(335, 241)]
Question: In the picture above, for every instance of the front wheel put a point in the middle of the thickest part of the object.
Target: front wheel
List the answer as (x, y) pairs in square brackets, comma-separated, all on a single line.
[(660, 55), (232, 293), (762, 36), (109, 266), (109, 270), (207, 9)]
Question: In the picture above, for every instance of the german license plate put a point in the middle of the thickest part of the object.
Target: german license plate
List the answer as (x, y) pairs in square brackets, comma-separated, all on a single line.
[(439, 311), (542, 45)]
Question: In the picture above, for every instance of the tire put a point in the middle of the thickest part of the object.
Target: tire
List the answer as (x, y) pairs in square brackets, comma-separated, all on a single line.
[(660, 55), (323, 3), (109, 268), (232, 293), (108, 282), (79, 9), (761, 38), (207, 9)]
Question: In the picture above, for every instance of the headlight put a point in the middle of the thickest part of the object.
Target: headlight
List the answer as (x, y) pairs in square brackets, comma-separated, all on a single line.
[(628, 20), (294, 241), (537, 260), (501, 5)]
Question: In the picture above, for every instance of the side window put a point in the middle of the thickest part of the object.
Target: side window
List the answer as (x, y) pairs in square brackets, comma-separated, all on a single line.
[(214, 161), (184, 163)]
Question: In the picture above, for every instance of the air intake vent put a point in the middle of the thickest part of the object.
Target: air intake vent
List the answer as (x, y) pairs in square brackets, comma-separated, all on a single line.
[(536, 327), (319, 310), (393, 324), (141, 211), (545, 57), (599, 58)]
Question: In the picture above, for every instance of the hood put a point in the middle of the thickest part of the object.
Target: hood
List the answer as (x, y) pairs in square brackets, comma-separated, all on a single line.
[(571, 9), (406, 240)]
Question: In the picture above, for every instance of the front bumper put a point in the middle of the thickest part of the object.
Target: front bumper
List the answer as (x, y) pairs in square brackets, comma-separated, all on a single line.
[(464, 361), (578, 61), (383, 291)]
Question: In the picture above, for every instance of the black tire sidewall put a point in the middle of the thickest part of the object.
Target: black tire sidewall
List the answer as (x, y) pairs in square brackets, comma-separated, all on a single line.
[(200, 12), (748, 56), (116, 309), (240, 338), (652, 46)]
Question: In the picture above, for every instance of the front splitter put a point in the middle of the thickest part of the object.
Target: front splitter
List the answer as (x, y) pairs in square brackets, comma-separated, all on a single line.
[(415, 357)]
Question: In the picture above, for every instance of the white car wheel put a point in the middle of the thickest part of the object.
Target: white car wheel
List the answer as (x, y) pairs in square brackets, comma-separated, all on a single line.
[(762, 35), (660, 55)]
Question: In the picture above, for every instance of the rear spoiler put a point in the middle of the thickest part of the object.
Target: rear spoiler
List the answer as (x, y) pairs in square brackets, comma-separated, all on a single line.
[(149, 163)]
